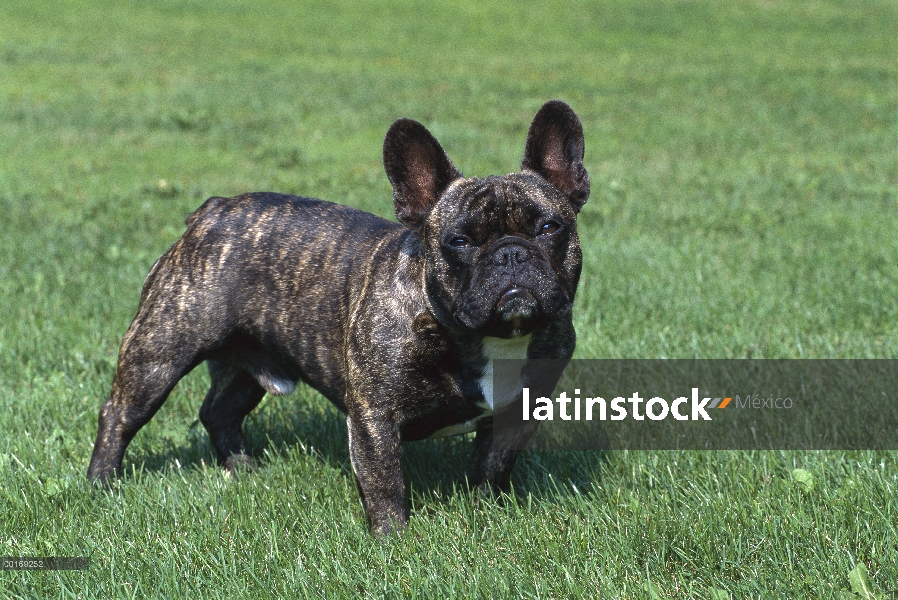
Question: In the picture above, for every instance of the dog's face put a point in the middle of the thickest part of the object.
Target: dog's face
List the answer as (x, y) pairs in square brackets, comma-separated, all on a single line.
[(502, 254)]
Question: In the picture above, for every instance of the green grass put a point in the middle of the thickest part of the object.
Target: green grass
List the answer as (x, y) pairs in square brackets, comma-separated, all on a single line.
[(743, 160)]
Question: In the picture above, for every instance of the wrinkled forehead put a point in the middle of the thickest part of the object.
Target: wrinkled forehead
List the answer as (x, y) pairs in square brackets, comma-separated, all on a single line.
[(518, 198)]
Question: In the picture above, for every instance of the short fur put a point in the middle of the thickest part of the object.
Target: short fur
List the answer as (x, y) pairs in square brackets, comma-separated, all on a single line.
[(394, 324)]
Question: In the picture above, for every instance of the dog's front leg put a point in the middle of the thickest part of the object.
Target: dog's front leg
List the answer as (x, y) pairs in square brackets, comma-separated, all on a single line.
[(376, 456), (495, 452), (500, 440)]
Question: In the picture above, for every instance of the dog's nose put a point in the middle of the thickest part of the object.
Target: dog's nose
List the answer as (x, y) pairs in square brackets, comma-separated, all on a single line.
[(511, 255)]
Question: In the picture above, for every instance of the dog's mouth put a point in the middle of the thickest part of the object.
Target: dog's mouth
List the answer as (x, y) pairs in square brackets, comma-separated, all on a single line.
[(516, 312), (516, 305)]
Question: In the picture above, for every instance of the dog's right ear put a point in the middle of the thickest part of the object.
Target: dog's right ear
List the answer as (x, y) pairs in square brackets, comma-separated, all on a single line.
[(418, 168)]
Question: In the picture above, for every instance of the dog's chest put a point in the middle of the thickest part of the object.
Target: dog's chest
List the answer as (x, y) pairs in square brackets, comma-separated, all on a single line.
[(499, 387)]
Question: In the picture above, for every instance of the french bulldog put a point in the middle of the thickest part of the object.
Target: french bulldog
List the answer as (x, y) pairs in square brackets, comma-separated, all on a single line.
[(397, 324)]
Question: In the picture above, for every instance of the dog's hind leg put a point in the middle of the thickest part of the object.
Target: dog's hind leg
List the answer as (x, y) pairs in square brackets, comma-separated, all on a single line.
[(147, 371), (233, 395)]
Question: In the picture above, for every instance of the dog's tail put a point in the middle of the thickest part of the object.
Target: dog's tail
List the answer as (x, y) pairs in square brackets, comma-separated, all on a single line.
[(206, 207)]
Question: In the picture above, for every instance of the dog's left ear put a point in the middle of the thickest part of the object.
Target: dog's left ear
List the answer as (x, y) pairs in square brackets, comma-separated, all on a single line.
[(419, 169), (554, 150)]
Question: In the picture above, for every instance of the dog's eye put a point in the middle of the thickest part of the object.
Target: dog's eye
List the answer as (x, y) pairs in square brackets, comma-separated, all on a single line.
[(458, 242), (549, 227)]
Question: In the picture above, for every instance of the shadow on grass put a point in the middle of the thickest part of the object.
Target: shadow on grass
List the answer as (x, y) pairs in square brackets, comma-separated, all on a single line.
[(435, 470)]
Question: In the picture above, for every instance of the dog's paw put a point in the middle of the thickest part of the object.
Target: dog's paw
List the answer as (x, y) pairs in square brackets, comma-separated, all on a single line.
[(489, 492), (240, 463)]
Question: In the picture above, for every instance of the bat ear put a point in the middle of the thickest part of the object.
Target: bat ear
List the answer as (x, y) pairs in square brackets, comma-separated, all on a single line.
[(418, 168), (554, 151)]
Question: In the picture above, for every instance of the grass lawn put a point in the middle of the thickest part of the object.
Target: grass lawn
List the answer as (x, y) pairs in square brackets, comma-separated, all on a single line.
[(744, 177)]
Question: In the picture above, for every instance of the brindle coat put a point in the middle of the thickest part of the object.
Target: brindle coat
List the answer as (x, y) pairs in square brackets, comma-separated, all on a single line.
[(394, 324)]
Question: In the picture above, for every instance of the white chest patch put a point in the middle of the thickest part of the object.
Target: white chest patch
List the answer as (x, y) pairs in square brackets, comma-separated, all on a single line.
[(506, 386), (495, 393)]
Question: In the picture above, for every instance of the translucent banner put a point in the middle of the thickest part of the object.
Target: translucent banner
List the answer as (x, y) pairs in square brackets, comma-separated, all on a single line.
[(699, 404)]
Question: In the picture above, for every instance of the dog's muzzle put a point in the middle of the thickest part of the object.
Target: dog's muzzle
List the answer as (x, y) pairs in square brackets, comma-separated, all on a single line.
[(516, 304)]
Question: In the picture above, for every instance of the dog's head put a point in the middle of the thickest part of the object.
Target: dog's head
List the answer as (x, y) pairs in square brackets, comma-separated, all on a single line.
[(502, 256)]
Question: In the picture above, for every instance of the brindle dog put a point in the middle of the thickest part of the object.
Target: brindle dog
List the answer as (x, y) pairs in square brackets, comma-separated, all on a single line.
[(396, 324)]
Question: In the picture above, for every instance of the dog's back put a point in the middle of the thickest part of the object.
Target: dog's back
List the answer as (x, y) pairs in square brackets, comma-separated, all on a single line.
[(212, 281)]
